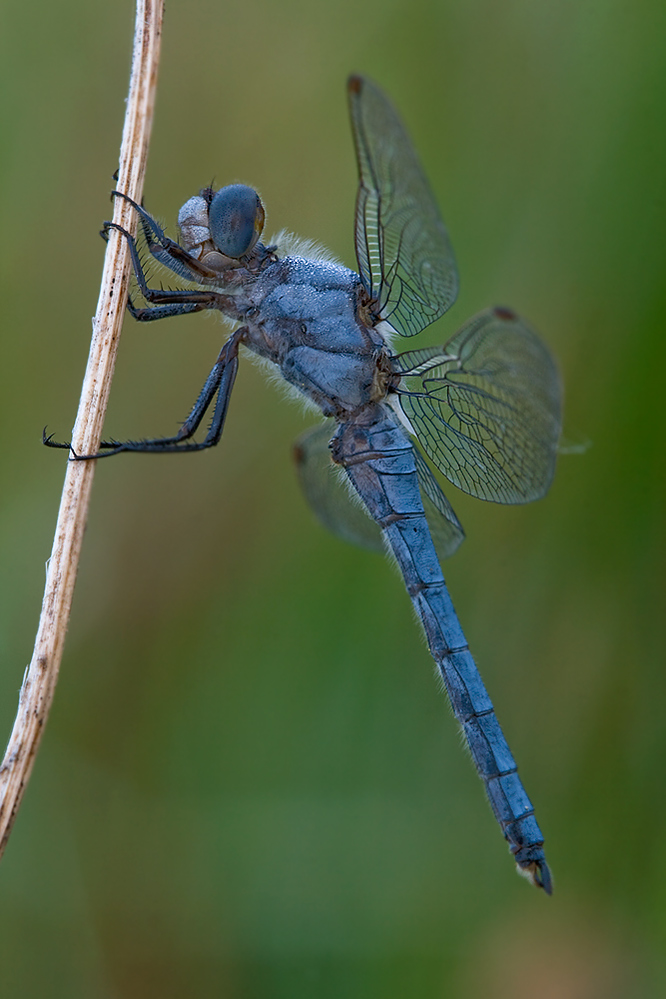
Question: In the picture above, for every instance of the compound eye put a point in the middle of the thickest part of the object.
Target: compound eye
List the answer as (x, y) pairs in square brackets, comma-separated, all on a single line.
[(236, 219)]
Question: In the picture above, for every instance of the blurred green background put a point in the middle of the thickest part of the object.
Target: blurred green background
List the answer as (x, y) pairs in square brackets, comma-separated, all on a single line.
[(250, 784)]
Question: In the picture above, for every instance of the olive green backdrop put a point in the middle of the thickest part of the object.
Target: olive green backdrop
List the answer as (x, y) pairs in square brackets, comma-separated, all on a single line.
[(251, 785)]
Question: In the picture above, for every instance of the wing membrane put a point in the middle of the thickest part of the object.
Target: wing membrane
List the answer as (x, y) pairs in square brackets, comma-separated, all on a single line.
[(338, 510), (486, 407), (405, 259), (445, 528), (327, 492)]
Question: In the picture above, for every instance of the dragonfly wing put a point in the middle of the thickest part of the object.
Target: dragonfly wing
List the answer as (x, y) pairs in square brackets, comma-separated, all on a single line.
[(486, 408), (445, 528), (405, 259), (328, 492)]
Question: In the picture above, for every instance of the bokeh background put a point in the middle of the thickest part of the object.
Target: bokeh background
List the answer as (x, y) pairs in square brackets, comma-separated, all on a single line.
[(250, 784)]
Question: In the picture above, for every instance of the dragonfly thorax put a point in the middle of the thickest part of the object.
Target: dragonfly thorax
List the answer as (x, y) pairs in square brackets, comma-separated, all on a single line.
[(302, 314), (308, 316)]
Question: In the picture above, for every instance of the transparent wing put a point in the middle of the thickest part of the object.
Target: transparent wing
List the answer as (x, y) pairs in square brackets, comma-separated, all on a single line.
[(326, 490), (486, 408), (445, 528), (337, 508), (404, 255)]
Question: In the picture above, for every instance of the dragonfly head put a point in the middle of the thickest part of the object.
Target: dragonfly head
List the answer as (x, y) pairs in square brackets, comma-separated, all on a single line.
[(235, 218)]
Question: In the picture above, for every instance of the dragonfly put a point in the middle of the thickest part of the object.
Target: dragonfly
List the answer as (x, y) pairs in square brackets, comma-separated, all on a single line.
[(484, 410)]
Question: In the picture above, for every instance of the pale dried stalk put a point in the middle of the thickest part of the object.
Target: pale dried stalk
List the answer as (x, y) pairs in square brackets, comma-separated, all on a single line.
[(40, 679)]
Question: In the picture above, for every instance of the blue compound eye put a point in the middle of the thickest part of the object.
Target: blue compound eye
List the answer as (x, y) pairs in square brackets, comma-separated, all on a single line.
[(236, 219)]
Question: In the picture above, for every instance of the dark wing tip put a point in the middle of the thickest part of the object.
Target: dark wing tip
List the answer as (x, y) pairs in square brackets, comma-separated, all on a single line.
[(505, 313), (354, 84)]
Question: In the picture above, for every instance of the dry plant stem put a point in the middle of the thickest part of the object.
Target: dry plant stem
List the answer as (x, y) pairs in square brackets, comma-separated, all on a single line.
[(40, 679)]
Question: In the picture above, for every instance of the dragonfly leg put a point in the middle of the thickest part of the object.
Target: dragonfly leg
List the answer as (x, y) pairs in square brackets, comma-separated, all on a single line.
[(195, 299), (147, 315), (220, 383), (167, 251), (147, 221)]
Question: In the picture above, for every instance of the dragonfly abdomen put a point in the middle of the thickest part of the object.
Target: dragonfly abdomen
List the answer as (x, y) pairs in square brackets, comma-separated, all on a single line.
[(494, 762), (380, 462)]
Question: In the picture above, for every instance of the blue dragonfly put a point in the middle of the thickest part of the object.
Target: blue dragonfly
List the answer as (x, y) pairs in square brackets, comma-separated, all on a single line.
[(484, 409)]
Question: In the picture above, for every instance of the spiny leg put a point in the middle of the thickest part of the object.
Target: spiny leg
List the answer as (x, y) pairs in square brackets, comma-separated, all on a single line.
[(220, 382), (168, 252), (164, 296), (146, 219), (180, 301), (163, 311)]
